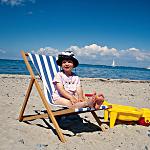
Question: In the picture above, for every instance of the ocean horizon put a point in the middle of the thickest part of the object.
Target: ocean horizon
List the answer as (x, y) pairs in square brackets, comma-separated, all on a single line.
[(8, 66)]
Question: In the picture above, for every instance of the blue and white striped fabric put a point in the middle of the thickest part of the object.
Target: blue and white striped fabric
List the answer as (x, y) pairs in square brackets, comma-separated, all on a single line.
[(47, 68)]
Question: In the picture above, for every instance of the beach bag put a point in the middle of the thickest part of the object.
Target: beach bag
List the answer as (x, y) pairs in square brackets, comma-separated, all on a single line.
[(144, 121)]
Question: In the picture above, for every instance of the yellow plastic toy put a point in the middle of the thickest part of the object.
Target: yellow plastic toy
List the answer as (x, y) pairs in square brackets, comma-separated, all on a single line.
[(120, 112), (146, 114)]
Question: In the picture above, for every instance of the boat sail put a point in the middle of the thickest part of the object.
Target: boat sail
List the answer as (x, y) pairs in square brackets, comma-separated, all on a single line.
[(113, 63), (148, 68)]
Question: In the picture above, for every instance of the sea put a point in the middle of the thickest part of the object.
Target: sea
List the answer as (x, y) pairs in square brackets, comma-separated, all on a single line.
[(83, 70)]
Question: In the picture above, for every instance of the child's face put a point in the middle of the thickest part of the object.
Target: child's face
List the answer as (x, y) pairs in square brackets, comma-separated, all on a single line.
[(67, 65)]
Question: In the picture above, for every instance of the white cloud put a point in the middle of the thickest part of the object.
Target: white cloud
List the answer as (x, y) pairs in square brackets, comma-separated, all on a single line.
[(136, 54), (29, 13), (15, 2), (2, 51), (103, 55), (133, 49), (47, 51), (94, 50)]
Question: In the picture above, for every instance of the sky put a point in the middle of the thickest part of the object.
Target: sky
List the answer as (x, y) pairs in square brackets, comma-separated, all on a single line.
[(97, 31)]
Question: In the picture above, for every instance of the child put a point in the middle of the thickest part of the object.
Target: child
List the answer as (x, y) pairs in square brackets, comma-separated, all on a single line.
[(68, 90)]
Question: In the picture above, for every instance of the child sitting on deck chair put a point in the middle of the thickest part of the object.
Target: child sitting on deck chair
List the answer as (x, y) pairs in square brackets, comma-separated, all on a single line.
[(68, 90)]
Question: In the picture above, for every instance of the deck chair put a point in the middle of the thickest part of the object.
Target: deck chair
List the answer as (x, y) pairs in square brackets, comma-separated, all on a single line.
[(47, 68)]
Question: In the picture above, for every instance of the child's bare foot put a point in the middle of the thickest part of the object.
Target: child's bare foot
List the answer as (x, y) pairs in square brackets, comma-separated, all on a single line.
[(99, 101)]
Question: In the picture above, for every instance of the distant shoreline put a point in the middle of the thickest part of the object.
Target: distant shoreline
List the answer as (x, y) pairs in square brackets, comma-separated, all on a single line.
[(148, 68), (82, 79)]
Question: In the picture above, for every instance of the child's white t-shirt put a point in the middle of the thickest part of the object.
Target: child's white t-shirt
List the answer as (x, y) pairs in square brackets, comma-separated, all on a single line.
[(70, 84)]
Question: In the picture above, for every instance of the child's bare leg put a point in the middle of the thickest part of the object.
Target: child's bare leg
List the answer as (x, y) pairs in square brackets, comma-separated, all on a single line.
[(80, 104), (64, 102)]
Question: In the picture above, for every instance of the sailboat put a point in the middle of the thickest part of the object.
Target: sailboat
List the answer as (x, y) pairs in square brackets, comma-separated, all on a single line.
[(148, 68), (113, 63)]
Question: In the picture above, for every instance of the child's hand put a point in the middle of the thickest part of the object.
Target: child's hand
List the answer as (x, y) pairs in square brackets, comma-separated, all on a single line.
[(73, 100), (81, 99)]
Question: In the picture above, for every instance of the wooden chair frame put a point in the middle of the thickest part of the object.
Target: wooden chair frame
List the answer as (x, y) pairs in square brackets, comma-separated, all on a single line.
[(51, 114)]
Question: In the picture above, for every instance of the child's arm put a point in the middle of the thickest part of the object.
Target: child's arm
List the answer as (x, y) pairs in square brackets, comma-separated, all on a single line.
[(65, 94), (81, 97)]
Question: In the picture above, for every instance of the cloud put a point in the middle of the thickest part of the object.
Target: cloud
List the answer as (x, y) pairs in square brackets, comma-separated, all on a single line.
[(2, 51), (29, 13), (135, 53), (47, 51), (103, 55), (16, 2), (133, 49), (94, 50), (95, 54)]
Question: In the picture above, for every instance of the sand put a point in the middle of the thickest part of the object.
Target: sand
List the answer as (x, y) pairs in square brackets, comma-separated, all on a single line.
[(81, 131)]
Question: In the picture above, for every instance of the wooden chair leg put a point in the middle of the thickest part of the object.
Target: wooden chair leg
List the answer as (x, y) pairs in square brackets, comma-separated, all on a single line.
[(59, 132), (98, 120), (26, 99), (50, 113)]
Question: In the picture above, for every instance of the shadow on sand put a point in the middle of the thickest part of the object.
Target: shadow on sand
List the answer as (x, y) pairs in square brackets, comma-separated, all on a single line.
[(72, 123)]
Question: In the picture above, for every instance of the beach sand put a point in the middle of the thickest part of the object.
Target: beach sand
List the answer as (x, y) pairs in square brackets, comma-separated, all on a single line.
[(81, 131)]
